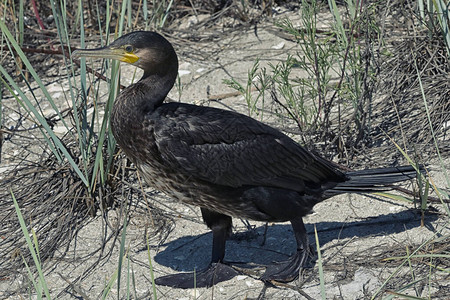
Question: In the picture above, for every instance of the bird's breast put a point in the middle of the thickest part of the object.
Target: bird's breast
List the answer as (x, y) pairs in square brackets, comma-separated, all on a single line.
[(184, 188)]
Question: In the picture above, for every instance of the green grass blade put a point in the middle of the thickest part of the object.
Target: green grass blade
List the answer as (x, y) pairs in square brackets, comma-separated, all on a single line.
[(166, 14), (152, 275), (128, 277), (122, 16), (21, 21), (405, 296), (103, 134), (145, 14), (109, 285), (319, 262), (1, 115), (122, 251), (394, 197), (432, 255), (339, 24), (35, 242), (133, 281), (129, 11), (31, 247), (37, 287), (81, 123)]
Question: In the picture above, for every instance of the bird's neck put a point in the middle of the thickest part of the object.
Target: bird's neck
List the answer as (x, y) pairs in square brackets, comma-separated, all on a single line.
[(135, 102), (147, 94)]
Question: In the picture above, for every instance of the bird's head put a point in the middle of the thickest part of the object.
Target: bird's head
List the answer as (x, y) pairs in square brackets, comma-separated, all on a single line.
[(144, 49)]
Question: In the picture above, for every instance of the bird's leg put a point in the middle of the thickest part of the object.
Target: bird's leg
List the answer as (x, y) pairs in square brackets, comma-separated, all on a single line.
[(288, 270), (217, 271), (221, 228)]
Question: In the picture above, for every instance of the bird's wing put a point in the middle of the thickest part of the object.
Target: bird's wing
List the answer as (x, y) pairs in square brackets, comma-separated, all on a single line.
[(231, 149)]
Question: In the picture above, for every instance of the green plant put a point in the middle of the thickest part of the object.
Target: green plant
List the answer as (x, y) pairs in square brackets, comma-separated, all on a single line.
[(161, 11), (310, 97), (246, 89)]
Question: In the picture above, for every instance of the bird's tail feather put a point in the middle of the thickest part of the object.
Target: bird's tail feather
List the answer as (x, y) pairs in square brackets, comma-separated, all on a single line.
[(374, 180)]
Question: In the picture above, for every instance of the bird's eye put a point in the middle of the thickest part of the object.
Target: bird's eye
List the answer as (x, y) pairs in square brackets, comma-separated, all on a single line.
[(129, 48)]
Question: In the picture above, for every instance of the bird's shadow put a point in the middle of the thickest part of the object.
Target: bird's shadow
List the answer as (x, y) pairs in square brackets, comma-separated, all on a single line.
[(194, 252)]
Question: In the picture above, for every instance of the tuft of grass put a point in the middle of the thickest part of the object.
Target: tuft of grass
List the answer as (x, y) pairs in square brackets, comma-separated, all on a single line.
[(54, 142)]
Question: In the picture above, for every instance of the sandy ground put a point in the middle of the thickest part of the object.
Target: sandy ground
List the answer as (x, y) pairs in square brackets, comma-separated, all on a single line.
[(355, 232)]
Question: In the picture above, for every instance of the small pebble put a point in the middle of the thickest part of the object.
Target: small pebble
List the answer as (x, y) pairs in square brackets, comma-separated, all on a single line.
[(278, 46), (194, 294), (183, 72)]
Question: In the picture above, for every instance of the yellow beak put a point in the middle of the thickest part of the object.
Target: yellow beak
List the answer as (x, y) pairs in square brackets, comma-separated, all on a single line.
[(106, 52)]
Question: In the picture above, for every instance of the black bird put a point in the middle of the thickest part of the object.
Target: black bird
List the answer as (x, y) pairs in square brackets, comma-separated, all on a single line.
[(228, 164)]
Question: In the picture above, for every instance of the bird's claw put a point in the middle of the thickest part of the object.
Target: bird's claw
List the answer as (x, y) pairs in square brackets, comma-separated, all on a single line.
[(213, 274), (287, 271)]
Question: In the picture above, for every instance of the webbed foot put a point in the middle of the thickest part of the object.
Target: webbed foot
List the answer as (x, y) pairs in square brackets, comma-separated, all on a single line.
[(213, 274), (287, 271)]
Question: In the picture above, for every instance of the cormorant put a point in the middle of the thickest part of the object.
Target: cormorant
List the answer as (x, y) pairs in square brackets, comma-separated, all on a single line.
[(228, 164)]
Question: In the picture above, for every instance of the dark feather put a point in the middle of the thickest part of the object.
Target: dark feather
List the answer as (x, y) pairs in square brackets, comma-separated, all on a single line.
[(226, 148), (374, 180)]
